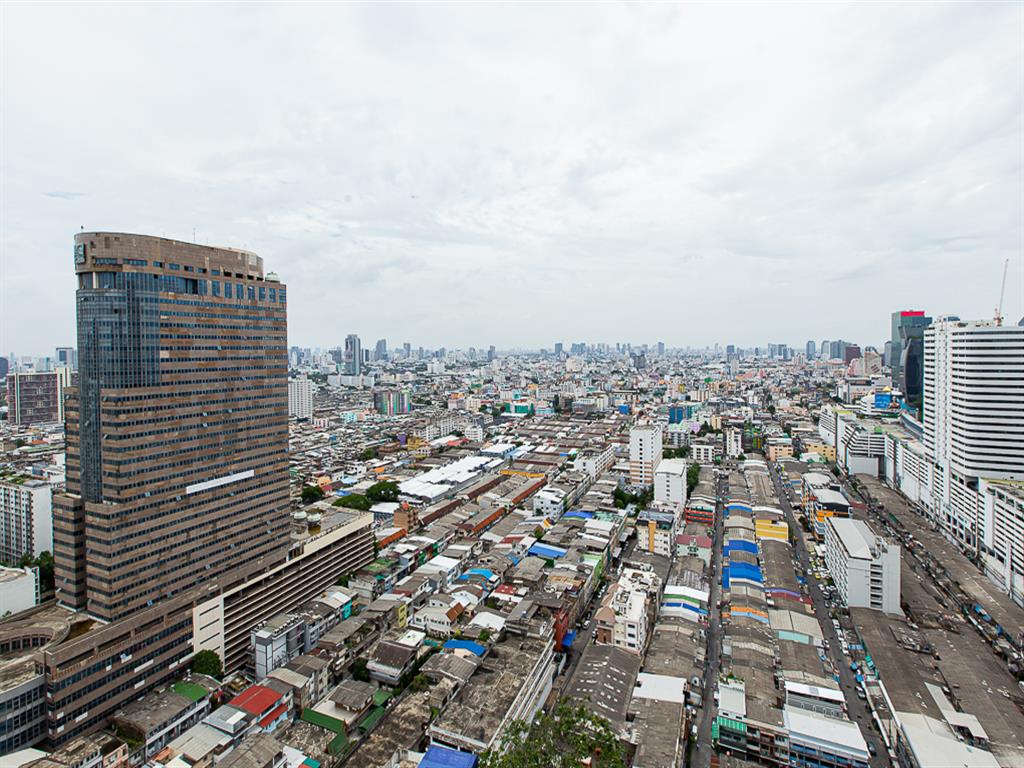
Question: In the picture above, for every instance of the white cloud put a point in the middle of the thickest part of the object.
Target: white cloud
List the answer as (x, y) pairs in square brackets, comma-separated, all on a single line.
[(520, 174)]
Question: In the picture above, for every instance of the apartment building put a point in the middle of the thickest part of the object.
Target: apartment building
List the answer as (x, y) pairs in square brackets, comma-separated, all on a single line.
[(300, 398), (26, 520), (864, 567), (37, 397), (670, 481), (645, 452)]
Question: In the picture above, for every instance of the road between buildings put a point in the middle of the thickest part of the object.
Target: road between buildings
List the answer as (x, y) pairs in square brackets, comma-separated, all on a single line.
[(857, 710), (700, 755)]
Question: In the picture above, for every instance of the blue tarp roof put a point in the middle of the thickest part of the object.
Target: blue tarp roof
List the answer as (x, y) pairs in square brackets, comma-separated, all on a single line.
[(745, 571), (741, 546), (545, 550), (580, 514), (487, 573), (568, 638), (466, 645), (443, 757)]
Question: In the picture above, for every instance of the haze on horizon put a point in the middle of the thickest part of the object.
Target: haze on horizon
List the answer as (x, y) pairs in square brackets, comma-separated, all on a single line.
[(518, 175)]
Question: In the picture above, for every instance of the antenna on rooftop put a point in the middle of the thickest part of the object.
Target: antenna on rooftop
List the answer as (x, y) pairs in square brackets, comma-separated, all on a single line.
[(1002, 292)]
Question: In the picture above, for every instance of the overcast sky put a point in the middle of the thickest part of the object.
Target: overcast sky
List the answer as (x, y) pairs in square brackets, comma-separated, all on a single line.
[(518, 175)]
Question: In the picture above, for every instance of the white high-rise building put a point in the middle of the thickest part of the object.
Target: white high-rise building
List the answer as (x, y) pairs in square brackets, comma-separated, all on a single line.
[(300, 398), (644, 453), (864, 567), (26, 518), (974, 398), (670, 481), (734, 442)]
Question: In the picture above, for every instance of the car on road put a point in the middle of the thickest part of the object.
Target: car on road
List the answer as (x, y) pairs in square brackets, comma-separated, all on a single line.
[(872, 749)]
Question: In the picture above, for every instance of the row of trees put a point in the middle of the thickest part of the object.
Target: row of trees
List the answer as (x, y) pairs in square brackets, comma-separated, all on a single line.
[(382, 491)]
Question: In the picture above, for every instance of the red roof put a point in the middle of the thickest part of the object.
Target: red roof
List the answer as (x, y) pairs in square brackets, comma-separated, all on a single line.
[(272, 716), (256, 699), (505, 589)]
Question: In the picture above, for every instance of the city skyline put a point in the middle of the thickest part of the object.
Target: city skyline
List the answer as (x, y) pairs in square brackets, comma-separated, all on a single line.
[(545, 183)]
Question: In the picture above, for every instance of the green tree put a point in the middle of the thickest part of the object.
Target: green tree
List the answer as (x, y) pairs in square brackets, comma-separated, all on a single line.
[(311, 493), (367, 453), (383, 491), (563, 738), (207, 663), (358, 670), (692, 477), (354, 501), (45, 565), (420, 683)]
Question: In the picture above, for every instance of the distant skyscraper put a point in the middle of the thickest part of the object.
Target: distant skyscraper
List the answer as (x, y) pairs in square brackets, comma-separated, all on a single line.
[(661, 349), (906, 358), (380, 352), (909, 322), (558, 349), (811, 350), (67, 356), (353, 355), (825, 349), (490, 353), (4, 367), (407, 349)]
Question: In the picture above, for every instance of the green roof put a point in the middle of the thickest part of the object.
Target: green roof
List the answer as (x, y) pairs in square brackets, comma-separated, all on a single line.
[(190, 691), (324, 721), (372, 719), (338, 744), (380, 696), (732, 725)]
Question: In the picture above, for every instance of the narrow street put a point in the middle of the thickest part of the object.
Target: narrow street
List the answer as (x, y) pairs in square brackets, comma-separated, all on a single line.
[(857, 710), (700, 756)]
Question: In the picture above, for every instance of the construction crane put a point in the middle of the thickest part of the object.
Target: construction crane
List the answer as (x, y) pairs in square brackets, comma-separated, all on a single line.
[(1002, 292)]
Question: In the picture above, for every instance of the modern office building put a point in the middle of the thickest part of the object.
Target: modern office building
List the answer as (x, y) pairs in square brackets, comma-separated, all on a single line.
[(174, 533), (353, 355), (26, 519), (177, 434), (864, 567), (300, 398), (380, 351), (906, 345), (645, 452), (810, 350), (37, 398)]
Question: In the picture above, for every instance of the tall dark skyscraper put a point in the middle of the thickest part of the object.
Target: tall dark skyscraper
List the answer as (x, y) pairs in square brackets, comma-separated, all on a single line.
[(353, 355), (177, 433), (910, 323)]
